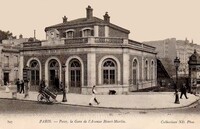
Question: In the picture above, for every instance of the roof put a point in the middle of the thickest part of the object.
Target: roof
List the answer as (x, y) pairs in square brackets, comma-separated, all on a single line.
[(83, 21), (194, 58)]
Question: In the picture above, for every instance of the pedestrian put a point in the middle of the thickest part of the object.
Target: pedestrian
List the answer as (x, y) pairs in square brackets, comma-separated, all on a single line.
[(61, 86), (42, 86), (18, 85), (26, 88), (183, 91), (93, 99), (22, 86), (7, 88)]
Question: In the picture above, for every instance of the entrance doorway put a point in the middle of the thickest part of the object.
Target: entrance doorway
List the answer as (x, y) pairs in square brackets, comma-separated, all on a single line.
[(6, 78), (54, 75), (35, 76), (75, 77)]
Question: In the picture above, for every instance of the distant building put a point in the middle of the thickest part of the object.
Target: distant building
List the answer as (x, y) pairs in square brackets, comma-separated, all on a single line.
[(168, 49), (9, 59)]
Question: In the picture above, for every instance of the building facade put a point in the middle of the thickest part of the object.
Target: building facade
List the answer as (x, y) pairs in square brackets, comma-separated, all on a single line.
[(9, 59), (169, 49), (89, 51)]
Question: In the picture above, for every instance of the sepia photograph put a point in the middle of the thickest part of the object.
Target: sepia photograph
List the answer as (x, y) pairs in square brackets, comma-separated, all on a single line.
[(103, 64)]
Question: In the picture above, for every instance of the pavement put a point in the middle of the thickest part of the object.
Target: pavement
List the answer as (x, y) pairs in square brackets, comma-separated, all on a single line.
[(134, 100)]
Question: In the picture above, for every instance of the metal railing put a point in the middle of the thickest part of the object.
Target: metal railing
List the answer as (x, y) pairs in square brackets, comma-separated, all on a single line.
[(76, 40), (32, 44), (108, 40), (134, 43)]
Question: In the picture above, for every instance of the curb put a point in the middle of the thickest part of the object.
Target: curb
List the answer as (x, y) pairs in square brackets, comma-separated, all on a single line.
[(119, 108), (167, 108)]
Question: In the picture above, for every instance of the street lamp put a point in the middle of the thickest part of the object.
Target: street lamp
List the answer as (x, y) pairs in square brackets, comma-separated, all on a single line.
[(177, 64), (64, 90), (26, 78)]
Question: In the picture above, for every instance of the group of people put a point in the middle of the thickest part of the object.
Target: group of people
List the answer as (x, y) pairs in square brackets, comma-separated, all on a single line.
[(20, 86)]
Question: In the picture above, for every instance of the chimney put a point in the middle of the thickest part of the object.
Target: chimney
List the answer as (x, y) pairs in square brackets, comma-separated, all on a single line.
[(64, 19), (34, 34), (89, 12), (106, 17), (20, 36)]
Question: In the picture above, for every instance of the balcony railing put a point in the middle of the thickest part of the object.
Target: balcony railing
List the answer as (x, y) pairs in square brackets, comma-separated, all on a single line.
[(92, 40), (32, 44), (141, 45), (134, 43), (108, 40), (147, 47), (76, 40)]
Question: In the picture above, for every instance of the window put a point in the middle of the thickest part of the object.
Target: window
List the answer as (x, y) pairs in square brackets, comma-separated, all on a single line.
[(146, 71), (69, 34), (16, 61), (87, 32), (6, 63), (109, 72), (75, 72), (34, 68), (152, 71), (134, 79)]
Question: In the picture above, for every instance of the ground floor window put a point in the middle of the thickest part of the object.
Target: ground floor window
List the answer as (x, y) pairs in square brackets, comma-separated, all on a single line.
[(34, 68), (75, 73), (109, 72)]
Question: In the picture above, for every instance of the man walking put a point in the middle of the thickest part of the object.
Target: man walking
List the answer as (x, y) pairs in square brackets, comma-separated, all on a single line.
[(22, 87), (183, 91), (93, 97), (26, 87), (18, 85)]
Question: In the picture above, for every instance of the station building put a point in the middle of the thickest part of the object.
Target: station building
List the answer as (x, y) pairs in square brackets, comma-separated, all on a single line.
[(89, 51)]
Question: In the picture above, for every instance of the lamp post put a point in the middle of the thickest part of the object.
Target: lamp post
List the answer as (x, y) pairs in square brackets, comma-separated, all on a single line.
[(177, 64), (26, 78), (64, 88)]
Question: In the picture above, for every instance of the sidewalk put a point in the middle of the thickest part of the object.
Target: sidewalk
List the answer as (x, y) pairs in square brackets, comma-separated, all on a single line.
[(135, 100)]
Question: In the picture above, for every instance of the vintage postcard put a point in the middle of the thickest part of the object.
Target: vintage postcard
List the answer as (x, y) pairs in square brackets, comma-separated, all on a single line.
[(131, 64)]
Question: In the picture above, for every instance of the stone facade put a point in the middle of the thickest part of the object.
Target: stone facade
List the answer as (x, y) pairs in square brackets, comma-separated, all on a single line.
[(89, 51)]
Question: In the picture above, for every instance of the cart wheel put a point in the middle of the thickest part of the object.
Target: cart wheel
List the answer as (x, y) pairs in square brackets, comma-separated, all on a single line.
[(41, 98)]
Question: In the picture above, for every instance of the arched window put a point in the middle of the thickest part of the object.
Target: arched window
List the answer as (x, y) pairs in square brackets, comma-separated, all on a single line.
[(75, 74), (87, 32), (34, 68), (54, 73), (152, 71), (109, 72), (146, 71), (70, 34), (135, 72)]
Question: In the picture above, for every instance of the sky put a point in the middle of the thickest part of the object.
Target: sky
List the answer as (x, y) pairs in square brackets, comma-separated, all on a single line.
[(147, 20)]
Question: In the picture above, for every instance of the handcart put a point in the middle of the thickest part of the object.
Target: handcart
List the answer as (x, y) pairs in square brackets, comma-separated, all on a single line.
[(46, 96)]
